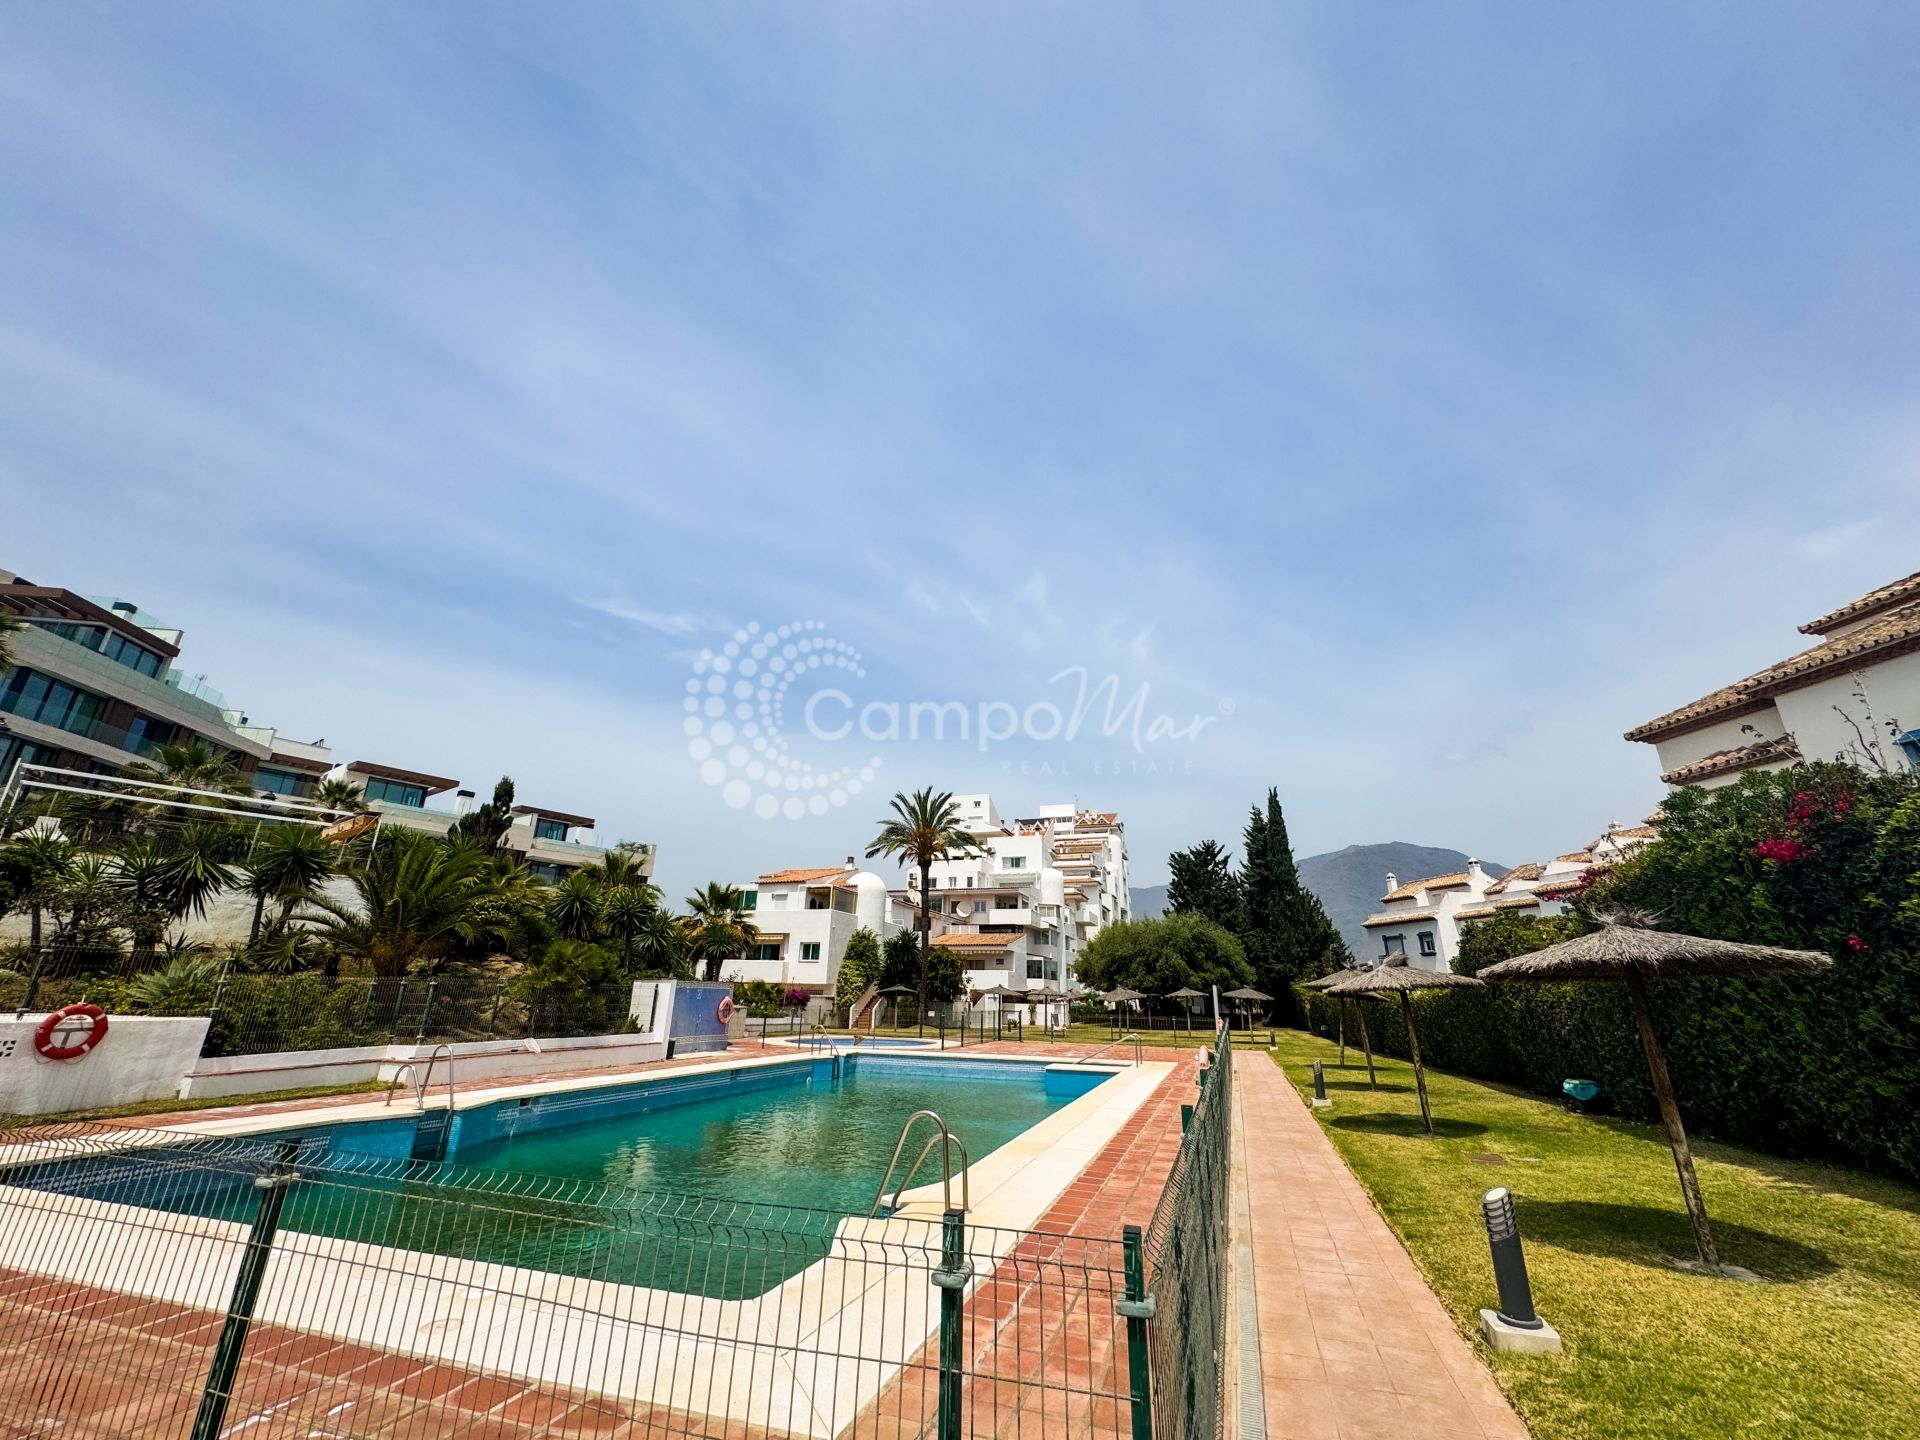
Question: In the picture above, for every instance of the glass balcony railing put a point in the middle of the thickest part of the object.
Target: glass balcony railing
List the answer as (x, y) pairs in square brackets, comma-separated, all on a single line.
[(68, 660)]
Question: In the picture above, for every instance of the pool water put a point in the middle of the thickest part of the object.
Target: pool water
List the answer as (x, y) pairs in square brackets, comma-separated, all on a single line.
[(725, 1195), (787, 1147)]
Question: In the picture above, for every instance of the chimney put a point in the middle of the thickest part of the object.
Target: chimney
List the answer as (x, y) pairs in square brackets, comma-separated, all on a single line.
[(1474, 871), (463, 802), (1393, 882), (851, 865)]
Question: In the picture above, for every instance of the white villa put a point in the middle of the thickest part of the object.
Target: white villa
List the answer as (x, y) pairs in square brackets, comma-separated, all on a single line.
[(1423, 919), (1858, 688), (805, 918), (1039, 890)]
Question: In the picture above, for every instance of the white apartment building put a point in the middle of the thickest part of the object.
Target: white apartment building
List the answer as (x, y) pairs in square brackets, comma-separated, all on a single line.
[(1834, 700), (1038, 890), (1423, 919), (805, 918)]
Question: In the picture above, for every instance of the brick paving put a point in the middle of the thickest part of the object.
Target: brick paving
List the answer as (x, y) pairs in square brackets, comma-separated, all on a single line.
[(87, 1364), (1354, 1344)]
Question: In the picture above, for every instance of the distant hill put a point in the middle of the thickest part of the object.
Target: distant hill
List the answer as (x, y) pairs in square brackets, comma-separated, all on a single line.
[(1148, 901), (1350, 882)]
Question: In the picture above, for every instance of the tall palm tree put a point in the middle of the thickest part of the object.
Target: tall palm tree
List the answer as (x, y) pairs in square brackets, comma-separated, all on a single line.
[(659, 946), (289, 864), (622, 866), (200, 867), (925, 827), (717, 927)]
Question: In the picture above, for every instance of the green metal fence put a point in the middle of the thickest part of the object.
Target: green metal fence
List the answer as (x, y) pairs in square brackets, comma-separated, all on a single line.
[(186, 1288)]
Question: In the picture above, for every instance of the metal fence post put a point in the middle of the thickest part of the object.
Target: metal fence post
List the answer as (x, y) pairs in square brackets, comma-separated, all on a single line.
[(1137, 1307), (951, 1278), (426, 1009), (208, 1423)]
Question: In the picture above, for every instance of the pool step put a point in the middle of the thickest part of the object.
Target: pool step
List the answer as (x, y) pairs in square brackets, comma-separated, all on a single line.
[(431, 1134)]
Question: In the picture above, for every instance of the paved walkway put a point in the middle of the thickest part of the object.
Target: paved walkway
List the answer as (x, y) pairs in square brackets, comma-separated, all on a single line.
[(1354, 1345)]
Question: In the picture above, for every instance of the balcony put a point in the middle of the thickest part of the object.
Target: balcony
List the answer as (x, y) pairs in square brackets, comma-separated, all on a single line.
[(66, 660), (1017, 876)]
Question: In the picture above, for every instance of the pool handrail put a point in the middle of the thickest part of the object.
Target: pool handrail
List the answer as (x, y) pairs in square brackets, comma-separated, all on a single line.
[(946, 1140), (1133, 1035), (408, 1069), (420, 1096)]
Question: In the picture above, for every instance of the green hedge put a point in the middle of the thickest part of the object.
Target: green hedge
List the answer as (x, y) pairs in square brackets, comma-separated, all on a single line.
[(1826, 1065)]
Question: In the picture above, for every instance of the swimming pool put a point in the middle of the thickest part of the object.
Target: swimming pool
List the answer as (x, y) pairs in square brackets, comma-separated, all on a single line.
[(723, 1182)]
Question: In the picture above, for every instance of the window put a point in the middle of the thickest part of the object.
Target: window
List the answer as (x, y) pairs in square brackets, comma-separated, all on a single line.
[(749, 900), (1006, 902), (1910, 744), (1036, 970), (1426, 942), (809, 950), (23, 752), (1395, 945), (277, 782), (1013, 862), (545, 829), (393, 792), (817, 900), (541, 870), (33, 696), (766, 950)]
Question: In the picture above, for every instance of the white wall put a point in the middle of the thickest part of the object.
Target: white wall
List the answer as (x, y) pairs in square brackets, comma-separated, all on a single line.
[(473, 1060), (140, 1058)]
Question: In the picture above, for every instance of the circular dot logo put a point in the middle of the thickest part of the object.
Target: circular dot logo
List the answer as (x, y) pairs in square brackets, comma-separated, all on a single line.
[(736, 707)]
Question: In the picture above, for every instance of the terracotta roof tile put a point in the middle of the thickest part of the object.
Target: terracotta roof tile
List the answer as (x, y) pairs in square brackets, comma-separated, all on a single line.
[(1890, 594), (1728, 762), (1517, 902), (1402, 917), (1432, 882), (1895, 632), (801, 877), (1478, 912), (962, 940)]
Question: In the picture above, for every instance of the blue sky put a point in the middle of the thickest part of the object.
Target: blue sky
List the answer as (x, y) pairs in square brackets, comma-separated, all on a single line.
[(1425, 394)]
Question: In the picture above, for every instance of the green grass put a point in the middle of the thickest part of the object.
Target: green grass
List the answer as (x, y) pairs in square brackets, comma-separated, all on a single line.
[(204, 1102), (1201, 1034), (1826, 1346)]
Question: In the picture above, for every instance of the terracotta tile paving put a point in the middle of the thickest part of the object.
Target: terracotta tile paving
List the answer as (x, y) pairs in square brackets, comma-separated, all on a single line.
[(84, 1364), (1354, 1344)]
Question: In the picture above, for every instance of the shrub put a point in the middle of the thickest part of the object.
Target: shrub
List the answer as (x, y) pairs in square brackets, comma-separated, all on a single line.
[(1817, 1065)]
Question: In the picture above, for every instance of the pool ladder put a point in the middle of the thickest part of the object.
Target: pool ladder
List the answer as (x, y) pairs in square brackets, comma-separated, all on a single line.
[(429, 1140), (1133, 1035), (948, 1143)]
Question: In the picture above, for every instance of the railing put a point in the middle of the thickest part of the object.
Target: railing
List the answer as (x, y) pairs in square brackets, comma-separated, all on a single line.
[(279, 1288), (948, 1142), (1139, 1055)]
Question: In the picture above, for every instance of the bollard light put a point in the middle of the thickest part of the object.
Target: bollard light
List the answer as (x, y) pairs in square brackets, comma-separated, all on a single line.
[(1319, 1087), (1515, 1325)]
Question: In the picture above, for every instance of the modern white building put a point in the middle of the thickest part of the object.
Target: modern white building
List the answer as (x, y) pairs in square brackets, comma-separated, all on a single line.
[(1036, 893), (1855, 697), (805, 918), (550, 843), (1423, 919)]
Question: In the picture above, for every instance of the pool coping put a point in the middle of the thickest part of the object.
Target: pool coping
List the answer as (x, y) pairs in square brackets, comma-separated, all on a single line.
[(820, 1316)]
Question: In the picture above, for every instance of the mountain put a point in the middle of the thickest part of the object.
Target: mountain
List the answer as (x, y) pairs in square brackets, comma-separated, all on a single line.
[(1148, 901), (1350, 882)]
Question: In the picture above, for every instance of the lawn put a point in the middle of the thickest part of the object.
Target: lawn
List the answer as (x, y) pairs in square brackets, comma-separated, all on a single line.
[(1826, 1345), (1076, 1034)]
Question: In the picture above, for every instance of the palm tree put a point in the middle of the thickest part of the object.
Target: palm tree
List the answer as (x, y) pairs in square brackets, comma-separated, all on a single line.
[(41, 864), (622, 865), (417, 900), (925, 827), (659, 946), (624, 910), (192, 764), (289, 864), (337, 794), (717, 927), (573, 907), (200, 867)]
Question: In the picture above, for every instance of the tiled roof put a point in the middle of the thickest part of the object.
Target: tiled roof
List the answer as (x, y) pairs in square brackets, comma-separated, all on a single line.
[(1517, 902), (1519, 874), (1894, 633), (1432, 882), (801, 877), (1892, 594), (1727, 762), (961, 940), (1478, 912), (1403, 917), (1578, 857)]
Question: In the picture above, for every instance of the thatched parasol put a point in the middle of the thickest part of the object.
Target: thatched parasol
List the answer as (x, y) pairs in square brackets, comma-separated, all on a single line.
[(1187, 992), (1396, 977), (1625, 947), (1327, 982), (1122, 996)]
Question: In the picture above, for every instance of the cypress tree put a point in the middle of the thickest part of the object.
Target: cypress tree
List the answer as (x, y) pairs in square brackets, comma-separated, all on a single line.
[(1201, 883), (1284, 928)]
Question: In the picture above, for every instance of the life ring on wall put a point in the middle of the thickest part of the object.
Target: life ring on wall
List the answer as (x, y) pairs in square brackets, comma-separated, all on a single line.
[(724, 1010), (43, 1033)]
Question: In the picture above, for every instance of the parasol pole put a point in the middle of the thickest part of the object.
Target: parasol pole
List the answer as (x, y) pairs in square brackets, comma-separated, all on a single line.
[(1366, 1044), (1670, 1112), (1413, 1048)]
